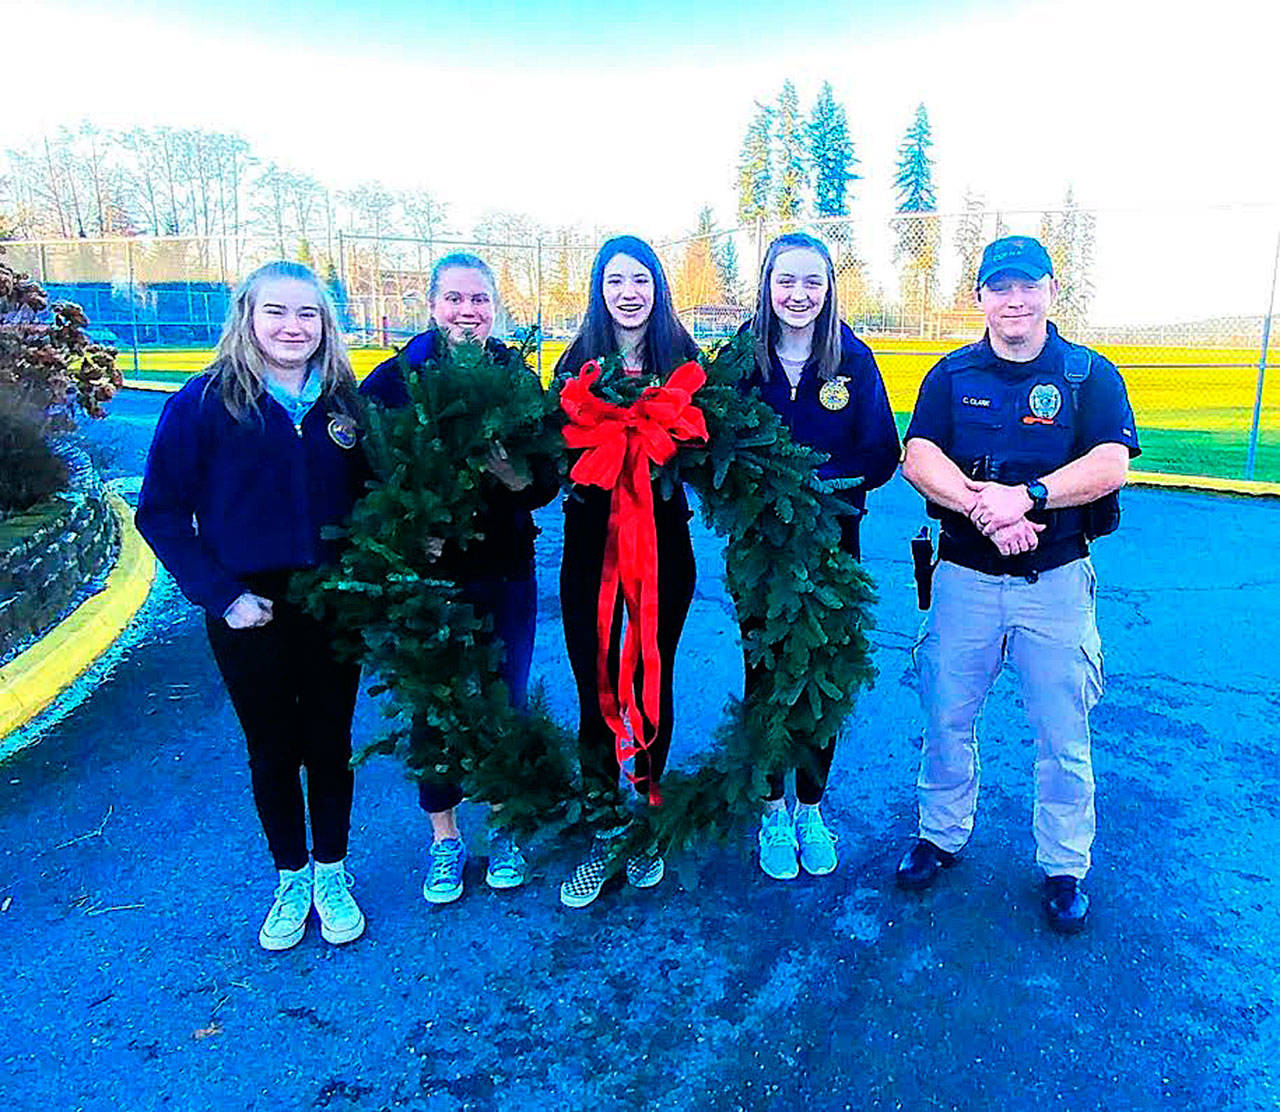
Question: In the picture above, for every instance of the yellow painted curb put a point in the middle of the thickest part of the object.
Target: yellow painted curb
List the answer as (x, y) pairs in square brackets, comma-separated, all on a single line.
[(32, 681), (155, 387), (1205, 483)]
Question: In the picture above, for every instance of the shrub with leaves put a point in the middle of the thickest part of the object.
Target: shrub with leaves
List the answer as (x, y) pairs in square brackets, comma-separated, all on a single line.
[(29, 471), (49, 371), (47, 359)]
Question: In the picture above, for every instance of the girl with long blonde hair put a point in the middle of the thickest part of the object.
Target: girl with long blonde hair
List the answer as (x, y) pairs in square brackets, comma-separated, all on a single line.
[(252, 460)]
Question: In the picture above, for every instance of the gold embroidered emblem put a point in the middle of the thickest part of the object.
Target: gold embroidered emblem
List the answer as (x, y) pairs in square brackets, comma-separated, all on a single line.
[(342, 430), (834, 395)]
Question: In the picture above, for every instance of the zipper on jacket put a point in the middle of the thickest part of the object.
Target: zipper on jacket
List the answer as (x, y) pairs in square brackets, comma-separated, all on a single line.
[(298, 429), (794, 387)]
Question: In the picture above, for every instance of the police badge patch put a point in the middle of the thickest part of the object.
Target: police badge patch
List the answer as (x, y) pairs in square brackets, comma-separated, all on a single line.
[(1045, 401), (342, 430), (834, 395)]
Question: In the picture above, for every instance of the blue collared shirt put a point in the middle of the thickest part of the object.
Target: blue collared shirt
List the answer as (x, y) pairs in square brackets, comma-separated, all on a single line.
[(298, 405)]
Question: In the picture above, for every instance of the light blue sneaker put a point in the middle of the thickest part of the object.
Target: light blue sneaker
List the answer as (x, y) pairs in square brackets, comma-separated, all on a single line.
[(444, 877), (507, 866), (817, 842), (778, 847)]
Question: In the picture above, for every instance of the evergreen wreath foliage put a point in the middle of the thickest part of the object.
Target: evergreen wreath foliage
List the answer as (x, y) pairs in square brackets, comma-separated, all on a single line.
[(804, 601)]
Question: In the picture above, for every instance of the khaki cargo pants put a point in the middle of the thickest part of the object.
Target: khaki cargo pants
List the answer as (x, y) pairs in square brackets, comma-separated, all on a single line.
[(1047, 632)]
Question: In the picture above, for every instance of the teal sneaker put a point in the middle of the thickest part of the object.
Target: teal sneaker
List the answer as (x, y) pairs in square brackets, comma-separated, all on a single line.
[(778, 848), (341, 919), (444, 876), (507, 866), (817, 842), (286, 922)]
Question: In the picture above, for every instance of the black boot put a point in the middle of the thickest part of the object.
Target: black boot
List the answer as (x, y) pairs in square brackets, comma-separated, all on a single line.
[(920, 867), (1064, 904)]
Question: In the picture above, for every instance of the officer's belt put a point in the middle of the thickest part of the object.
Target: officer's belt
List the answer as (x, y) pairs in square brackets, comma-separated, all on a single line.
[(1028, 564)]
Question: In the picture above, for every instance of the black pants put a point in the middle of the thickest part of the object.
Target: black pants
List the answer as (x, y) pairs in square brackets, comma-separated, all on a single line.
[(586, 515), (294, 700), (811, 783)]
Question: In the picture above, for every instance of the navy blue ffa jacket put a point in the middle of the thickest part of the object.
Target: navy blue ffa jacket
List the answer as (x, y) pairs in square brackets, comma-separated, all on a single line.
[(504, 528), (223, 499), (1014, 423), (848, 417)]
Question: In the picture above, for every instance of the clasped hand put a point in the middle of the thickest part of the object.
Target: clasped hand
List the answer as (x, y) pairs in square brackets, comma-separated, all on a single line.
[(501, 468), (248, 611), (1000, 514)]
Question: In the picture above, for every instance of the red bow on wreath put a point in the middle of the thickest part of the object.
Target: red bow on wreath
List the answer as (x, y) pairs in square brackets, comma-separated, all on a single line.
[(619, 443)]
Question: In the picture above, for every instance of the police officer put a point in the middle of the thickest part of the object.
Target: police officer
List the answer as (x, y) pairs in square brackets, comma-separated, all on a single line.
[(1019, 443)]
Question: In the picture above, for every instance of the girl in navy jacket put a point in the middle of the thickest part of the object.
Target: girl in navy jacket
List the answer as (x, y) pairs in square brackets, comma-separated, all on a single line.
[(824, 384), (496, 575), (251, 460)]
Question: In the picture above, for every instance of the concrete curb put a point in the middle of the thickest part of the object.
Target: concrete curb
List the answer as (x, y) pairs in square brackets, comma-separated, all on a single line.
[(1205, 483), (154, 387), (33, 680)]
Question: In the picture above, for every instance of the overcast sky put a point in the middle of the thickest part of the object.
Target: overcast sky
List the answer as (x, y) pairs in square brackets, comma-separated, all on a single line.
[(633, 115)]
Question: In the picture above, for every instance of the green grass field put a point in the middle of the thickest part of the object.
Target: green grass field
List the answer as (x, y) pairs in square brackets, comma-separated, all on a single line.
[(1193, 406)]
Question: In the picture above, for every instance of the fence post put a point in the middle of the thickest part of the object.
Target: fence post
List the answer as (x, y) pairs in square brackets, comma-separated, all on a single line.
[(538, 306), (1251, 460), (133, 305)]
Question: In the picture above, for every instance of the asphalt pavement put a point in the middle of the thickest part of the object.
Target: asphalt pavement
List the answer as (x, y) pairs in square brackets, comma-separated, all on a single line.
[(134, 875)]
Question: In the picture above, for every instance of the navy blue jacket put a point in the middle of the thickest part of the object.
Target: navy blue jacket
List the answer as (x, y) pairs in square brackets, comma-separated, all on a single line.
[(223, 499), (505, 529), (1015, 422), (860, 435)]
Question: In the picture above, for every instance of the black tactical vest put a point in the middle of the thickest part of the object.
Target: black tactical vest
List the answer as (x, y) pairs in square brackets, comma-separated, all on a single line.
[(1015, 430)]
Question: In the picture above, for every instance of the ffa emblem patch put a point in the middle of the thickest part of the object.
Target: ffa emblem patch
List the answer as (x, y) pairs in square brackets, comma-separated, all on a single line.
[(342, 430), (834, 395), (1045, 401)]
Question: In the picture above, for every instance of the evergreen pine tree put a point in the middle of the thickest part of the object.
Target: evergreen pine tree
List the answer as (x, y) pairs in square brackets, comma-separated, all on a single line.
[(969, 242), (918, 237), (1068, 236), (726, 256), (755, 167), (913, 180), (831, 154), (791, 171)]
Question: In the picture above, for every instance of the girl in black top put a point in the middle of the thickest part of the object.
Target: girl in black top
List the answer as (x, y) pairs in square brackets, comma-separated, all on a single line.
[(496, 574), (629, 313)]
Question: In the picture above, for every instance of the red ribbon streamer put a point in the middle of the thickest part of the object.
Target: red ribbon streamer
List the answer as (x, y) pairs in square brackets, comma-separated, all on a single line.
[(618, 444)]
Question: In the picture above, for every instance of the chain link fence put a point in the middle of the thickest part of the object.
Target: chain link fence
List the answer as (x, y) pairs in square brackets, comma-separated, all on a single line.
[(1180, 300)]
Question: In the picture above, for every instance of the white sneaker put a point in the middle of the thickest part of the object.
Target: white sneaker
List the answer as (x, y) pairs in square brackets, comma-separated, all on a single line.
[(286, 922), (341, 919)]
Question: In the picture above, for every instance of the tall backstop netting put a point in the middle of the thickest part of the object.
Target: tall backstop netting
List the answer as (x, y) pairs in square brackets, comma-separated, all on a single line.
[(1181, 300)]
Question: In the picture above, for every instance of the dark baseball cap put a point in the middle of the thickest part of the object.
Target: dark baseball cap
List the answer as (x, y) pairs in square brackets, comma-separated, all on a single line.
[(1021, 253)]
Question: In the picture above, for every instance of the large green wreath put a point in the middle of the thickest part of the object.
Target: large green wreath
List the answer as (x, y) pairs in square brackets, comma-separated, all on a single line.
[(805, 601)]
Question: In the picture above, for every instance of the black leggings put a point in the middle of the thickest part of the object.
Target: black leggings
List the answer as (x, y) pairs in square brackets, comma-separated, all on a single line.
[(295, 700), (586, 514), (811, 782)]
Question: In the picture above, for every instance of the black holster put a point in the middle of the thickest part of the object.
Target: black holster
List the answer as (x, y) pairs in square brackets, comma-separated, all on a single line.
[(923, 564)]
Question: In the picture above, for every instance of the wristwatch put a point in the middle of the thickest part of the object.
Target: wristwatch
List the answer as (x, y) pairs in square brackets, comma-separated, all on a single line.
[(1038, 494)]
